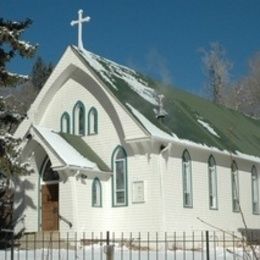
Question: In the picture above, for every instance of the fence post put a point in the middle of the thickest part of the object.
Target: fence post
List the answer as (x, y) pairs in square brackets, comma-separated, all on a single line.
[(12, 245), (207, 245), (109, 249), (107, 238)]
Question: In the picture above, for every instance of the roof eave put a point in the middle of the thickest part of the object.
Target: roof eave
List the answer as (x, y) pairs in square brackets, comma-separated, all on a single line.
[(138, 139), (84, 171), (247, 157)]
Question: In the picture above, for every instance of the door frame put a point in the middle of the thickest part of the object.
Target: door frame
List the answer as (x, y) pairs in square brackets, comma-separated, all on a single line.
[(41, 183), (42, 208)]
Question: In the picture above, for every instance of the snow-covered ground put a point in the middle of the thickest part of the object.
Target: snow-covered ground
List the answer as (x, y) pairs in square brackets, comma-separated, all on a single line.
[(121, 253)]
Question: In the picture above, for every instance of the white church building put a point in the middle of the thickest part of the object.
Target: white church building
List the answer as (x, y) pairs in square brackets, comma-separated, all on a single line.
[(108, 152)]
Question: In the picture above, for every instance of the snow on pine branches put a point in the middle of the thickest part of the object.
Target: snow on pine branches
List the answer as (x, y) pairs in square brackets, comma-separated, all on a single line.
[(10, 148), (10, 156), (10, 45)]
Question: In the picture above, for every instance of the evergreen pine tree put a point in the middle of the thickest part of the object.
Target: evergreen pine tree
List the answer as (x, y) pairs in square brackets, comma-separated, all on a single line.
[(10, 45), (40, 73), (10, 153), (10, 168)]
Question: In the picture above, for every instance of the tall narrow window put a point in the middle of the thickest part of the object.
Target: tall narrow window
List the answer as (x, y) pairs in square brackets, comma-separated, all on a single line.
[(235, 187), (96, 193), (92, 121), (212, 171), (79, 119), (65, 123), (119, 160), (255, 190), (187, 180)]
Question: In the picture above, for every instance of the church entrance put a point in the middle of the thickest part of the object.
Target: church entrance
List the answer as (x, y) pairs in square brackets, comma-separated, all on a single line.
[(50, 207), (50, 198)]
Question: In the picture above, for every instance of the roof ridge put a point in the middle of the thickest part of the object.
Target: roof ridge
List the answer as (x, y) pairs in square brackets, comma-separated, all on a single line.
[(236, 131)]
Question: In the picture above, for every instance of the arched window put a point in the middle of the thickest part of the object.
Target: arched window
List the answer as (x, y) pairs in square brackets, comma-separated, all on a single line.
[(235, 187), (47, 173), (187, 180), (255, 190), (79, 119), (65, 123), (212, 171), (119, 165), (92, 121), (96, 193)]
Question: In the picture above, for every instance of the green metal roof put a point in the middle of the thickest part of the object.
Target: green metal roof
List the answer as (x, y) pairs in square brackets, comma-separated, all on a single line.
[(83, 148), (233, 130)]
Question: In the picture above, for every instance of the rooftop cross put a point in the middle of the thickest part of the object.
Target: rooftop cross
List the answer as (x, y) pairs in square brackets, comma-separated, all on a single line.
[(79, 22)]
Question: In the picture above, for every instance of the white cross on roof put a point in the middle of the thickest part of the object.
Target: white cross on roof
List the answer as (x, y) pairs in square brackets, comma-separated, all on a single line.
[(79, 22)]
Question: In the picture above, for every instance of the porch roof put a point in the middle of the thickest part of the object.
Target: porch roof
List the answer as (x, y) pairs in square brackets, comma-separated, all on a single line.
[(85, 150), (71, 157)]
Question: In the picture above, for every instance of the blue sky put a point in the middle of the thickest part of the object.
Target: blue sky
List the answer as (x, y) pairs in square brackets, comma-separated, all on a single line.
[(158, 37)]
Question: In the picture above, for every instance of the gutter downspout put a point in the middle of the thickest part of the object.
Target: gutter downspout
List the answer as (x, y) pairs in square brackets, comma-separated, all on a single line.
[(162, 188), (75, 202)]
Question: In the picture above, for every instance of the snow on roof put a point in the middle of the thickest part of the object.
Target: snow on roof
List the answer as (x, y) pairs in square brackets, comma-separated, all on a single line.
[(67, 153), (188, 122), (208, 127), (109, 69), (150, 127), (92, 59), (158, 133)]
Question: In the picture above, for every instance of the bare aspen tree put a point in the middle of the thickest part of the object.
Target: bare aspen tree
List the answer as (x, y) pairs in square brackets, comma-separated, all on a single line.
[(250, 86), (217, 69)]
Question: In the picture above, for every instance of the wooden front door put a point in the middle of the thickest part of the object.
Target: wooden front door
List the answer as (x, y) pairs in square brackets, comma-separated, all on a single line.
[(50, 207)]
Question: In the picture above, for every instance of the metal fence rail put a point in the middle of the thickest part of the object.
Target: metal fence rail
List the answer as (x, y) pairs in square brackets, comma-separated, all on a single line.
[(131, 246)]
